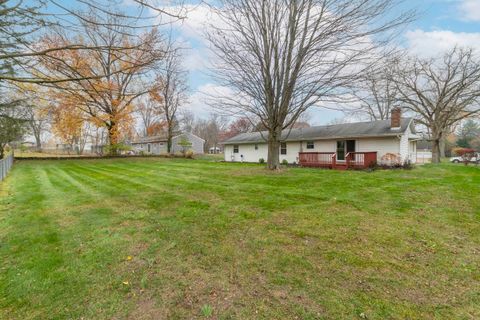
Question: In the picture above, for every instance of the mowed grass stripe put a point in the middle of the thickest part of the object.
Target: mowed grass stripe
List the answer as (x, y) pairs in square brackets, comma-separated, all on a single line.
[(49, 241), (311, 244)]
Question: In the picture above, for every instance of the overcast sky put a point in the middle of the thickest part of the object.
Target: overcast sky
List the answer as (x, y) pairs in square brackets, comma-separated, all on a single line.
[(441, 25)]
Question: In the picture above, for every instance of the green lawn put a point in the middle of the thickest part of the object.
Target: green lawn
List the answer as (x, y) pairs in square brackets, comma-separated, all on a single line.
[(180, 239)]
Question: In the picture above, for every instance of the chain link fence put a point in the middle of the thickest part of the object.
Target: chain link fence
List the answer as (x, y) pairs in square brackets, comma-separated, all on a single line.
[(5, 166)]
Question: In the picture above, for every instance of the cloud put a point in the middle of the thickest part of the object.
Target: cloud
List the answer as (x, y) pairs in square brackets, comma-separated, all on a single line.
[(431, 43), (470, 10), (198, 101), (190, 33), (198, 19)]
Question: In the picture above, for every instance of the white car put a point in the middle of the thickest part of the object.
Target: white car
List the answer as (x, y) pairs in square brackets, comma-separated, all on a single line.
[(474, 159)]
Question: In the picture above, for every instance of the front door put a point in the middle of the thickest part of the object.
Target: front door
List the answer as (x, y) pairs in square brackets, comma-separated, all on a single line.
[(341, 150), (344, 147)]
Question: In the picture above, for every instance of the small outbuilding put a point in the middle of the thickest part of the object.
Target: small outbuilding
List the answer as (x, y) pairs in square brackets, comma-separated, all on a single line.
[(158, 144)]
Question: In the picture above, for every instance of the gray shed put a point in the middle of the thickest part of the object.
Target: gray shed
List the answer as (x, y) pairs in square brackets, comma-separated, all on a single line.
[(197, 143), (158, 144)]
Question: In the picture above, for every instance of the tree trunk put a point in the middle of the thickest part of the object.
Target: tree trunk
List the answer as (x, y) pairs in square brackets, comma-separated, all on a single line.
[(273, 161), (443, 144), (436, 150), (169, 137), (38, 143), (112, 138)]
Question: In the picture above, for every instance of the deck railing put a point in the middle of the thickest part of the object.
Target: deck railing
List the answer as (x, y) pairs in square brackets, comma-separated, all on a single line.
[(5, 166), (360, 160), (353, 160), (318, 159)]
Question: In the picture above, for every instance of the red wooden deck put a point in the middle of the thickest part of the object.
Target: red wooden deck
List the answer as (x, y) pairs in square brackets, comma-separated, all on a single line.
[(318, 159), (353, 160)]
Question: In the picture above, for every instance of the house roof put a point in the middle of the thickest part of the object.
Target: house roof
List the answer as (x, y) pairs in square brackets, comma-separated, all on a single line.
[(151, 139), (161, 138), (380, 128)]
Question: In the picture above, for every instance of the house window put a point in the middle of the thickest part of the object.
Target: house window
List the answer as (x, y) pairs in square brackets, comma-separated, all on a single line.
[(283, 148), (148, 147), (256, 146), (344, 147), (310, 145), (235, 148)]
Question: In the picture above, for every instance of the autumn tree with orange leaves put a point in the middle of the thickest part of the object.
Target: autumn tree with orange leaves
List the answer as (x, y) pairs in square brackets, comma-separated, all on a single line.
[(68, 125), (104, 101), (150, 117)]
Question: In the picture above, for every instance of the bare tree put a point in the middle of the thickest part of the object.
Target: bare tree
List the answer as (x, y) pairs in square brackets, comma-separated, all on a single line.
[(36, 108), (440, 91), (38, 123), (303, 121), (281, 57), (375, 93), (211, 130), (171, 90), (187, 120), (23, 23), (238, 126)]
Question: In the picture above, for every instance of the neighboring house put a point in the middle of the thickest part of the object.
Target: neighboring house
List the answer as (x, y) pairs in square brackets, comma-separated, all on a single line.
[(384, 140), (214, 150), (158, 144), (27, 144)]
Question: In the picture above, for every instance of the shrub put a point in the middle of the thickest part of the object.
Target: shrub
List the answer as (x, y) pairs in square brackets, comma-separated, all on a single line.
[(185, 144), (373, 166), (408, 165), (391, 160), (462, 151), (188, 154), (466, 153), (117, 148), (261, 160), (284, 162)]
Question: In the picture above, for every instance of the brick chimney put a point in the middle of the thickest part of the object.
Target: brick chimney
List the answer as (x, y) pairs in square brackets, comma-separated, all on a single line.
[(396, 117)]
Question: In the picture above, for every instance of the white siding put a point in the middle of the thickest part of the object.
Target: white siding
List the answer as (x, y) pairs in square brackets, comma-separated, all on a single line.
[(293, 148), (248, 151), (404, 148), (321, 146), (251, 155), (381, 145), (413, 151), (397, 145)]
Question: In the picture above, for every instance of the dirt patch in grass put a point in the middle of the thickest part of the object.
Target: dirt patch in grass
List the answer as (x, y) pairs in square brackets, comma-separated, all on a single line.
[(145, 309)]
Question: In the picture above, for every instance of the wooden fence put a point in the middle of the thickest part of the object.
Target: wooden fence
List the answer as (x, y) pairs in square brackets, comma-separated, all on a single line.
[(5, 166)]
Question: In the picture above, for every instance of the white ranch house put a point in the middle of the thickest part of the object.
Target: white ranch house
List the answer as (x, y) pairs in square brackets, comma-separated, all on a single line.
[(335, 146)]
